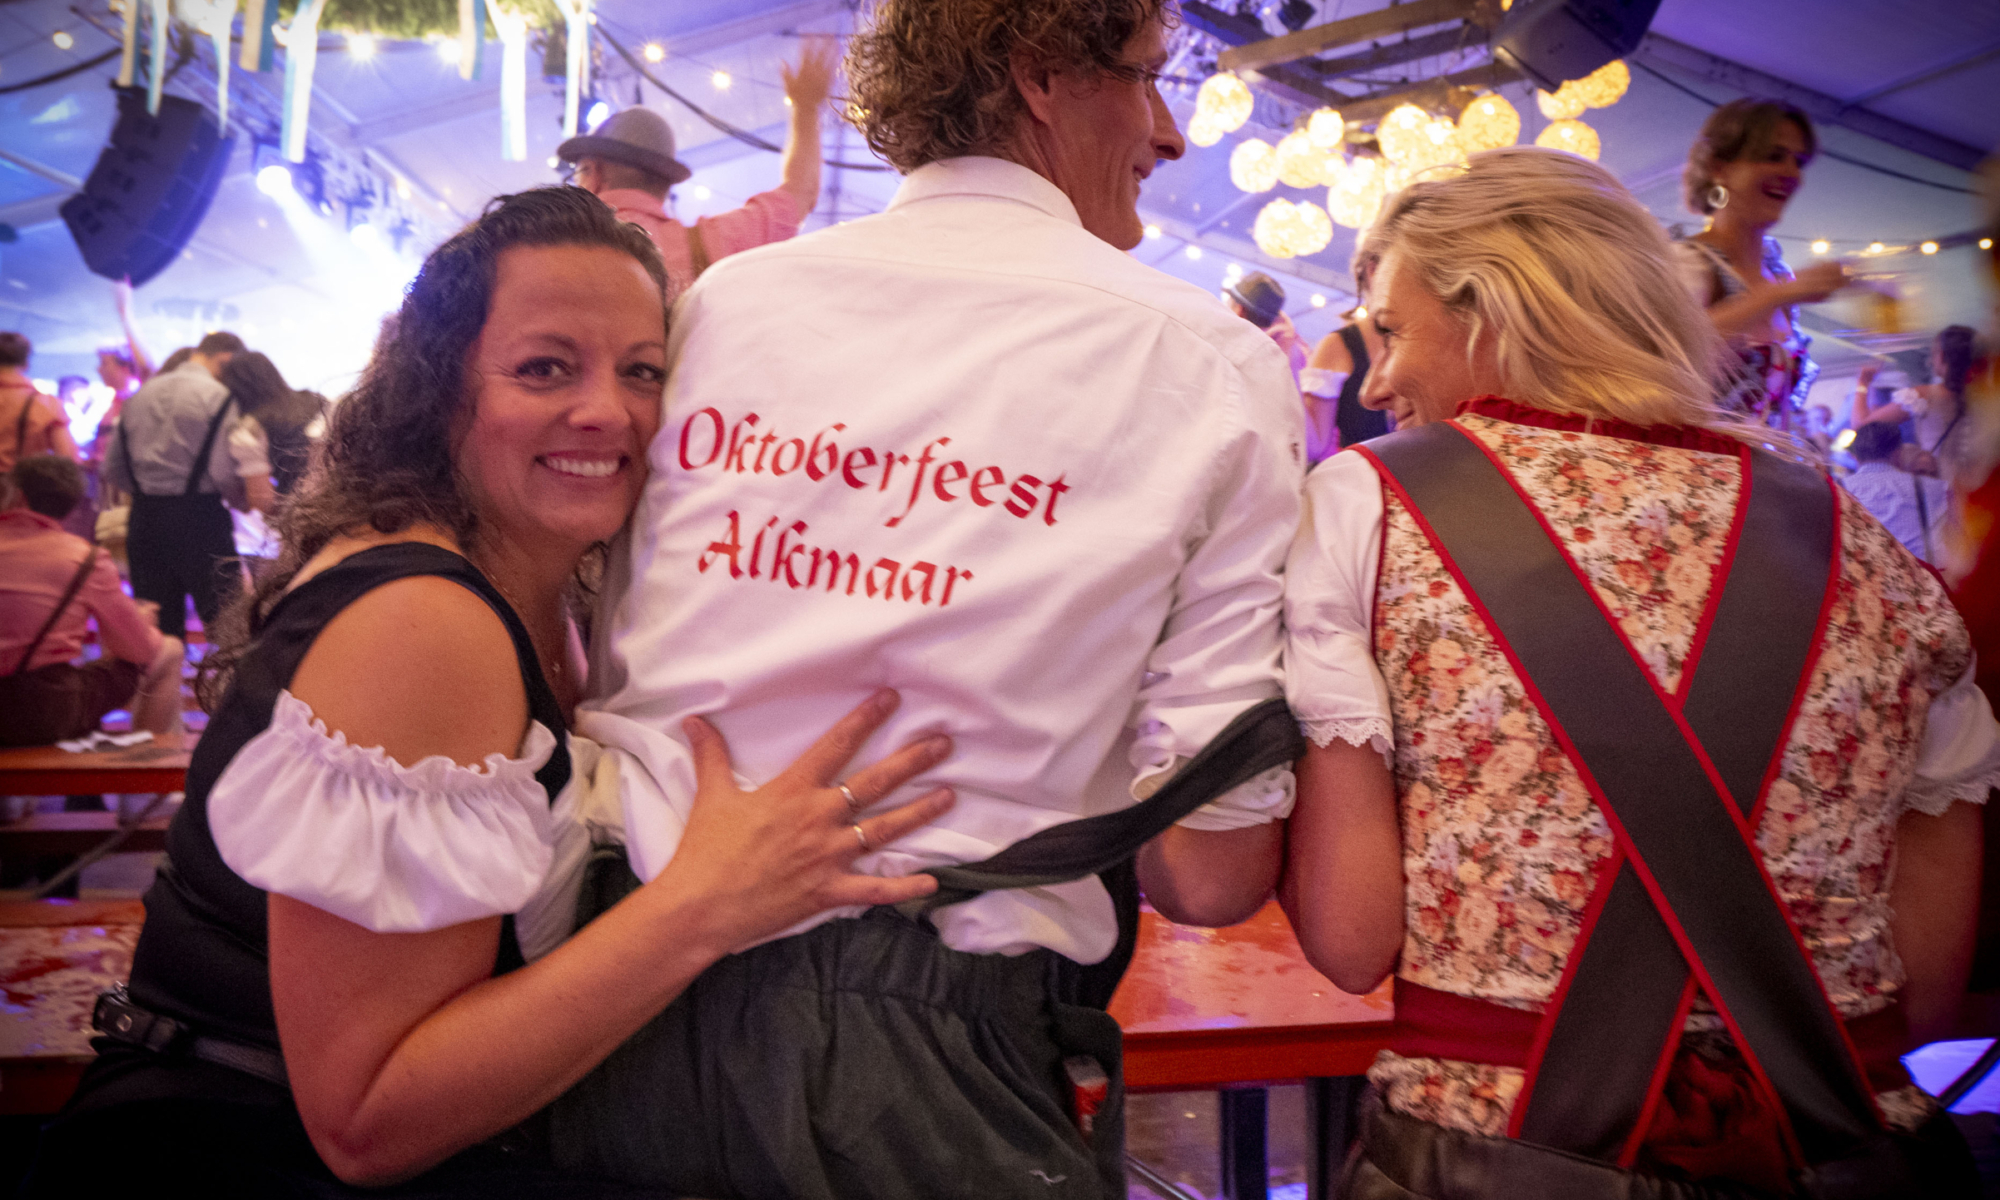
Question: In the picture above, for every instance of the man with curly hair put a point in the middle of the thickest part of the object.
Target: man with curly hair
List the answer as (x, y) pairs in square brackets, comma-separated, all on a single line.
[(971, 450)]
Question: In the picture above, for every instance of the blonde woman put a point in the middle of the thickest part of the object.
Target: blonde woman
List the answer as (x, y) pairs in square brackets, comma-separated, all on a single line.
[(1616, 756)]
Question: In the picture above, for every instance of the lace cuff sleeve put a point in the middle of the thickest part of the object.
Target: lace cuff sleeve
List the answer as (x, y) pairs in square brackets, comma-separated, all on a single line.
[(1331, 680), (1960, 758), (394, 849)]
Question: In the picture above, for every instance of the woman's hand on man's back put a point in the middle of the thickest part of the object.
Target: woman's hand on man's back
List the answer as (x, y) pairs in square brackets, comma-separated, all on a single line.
[(768, 859)]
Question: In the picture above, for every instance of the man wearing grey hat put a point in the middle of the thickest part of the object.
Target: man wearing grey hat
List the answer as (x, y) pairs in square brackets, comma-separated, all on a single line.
[(628, 162), (1260, 300)]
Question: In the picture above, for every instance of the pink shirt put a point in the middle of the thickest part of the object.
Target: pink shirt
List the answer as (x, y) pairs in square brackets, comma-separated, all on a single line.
[(771, 216), (37, 561), (1286, 334)]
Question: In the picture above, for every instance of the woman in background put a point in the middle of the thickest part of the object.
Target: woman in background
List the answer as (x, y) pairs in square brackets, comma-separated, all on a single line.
[(272, 440), (1937, 407), (1741, 173), (330, 993)]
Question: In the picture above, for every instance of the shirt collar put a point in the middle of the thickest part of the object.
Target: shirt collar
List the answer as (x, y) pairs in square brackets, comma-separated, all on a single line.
[(1684, 437), (636, 198), (24, 520), (976, 175), (1876, 466)]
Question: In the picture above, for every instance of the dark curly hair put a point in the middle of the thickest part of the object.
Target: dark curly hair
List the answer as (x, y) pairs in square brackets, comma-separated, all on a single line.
[(930, 78), (389, 458), (1735, 131), (1955, 349)]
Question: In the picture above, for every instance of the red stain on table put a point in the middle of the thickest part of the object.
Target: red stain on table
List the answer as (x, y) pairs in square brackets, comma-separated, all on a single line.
[(51, 975)]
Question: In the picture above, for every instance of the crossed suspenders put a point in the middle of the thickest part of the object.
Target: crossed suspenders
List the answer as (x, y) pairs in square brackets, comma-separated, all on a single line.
[(1684, 901)]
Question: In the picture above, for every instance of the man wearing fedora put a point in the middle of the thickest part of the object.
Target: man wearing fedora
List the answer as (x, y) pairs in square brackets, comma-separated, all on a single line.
[(1260, 300), (628, 162)]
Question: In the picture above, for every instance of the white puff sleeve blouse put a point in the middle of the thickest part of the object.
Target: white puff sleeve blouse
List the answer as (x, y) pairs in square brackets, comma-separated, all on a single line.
[(393, 848)]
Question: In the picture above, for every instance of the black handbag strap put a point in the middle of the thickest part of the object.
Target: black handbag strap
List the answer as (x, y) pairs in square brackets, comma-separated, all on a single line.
[(62, 606), (1680, 821), (1263, 736)]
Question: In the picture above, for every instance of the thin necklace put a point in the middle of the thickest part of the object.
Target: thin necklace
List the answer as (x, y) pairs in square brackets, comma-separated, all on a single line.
[(553, 668)]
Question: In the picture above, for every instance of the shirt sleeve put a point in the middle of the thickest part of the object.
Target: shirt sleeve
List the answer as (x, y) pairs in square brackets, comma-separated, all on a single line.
[(1911, 401), (768, 217), (394, 849), (1331, 680), (222, 474), (250, 449), (124, 630), (1960, 755), (115, 469), (1221, 650), (1318, 381)]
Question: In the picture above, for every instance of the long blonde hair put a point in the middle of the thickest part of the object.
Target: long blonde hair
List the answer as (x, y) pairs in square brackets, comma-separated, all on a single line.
[(1549, 256)]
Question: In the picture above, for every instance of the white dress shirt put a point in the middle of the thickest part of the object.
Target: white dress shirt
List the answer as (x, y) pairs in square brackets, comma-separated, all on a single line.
[(967, 450), (1891, 496)]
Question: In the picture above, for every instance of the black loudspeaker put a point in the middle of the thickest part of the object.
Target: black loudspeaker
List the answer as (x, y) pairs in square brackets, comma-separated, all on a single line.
[(1553, 41), (150, 188)]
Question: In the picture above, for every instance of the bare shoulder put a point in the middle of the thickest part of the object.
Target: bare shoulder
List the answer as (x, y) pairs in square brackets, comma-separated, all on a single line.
[(1331, 354), (420, 666)]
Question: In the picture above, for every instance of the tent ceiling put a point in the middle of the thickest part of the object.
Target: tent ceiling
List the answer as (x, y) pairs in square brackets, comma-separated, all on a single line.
[(1930, 64)]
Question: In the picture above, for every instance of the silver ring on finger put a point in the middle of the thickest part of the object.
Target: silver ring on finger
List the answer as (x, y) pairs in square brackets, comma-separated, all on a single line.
[(854, 802), (861, 835)]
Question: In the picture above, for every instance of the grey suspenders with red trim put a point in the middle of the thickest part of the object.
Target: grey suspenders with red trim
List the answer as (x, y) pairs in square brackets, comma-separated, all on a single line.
[(1685, 898)]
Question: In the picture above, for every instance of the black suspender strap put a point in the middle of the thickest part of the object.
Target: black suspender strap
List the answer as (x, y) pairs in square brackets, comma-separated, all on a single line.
[(1679, 785), (125, 452), (1626, 974), (62, 606), (1923, 511), (207, 448), (21, 426), (1263, 736)]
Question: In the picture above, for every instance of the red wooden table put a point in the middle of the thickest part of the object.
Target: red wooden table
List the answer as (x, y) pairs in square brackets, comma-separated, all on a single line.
[(55, 957), (1226, 1008), (156, 766)]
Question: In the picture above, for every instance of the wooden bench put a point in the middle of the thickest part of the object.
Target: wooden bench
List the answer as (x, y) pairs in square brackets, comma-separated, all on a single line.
[(1235, 1010)]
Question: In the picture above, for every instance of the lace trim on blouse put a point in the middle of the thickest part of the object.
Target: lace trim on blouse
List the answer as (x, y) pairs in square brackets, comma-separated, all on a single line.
[(393, 848), (1373, 732)]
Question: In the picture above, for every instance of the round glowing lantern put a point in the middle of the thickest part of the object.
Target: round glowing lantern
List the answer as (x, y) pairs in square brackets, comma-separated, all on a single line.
[(1573, 136), (1253, 165), (1488, 123), (1225, 100)]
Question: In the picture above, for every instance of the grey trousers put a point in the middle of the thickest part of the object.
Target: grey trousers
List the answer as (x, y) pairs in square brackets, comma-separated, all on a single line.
[(861, 1059)]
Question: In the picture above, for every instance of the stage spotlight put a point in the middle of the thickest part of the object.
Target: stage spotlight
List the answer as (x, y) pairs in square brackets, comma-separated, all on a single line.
[(365, 236), (448, 51), (655, 52), (63, 40), (598, 113), (361, 46), (721, 81), (275, 181)]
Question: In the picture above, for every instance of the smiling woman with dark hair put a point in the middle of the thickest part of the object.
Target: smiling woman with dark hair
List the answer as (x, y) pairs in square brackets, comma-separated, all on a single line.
[(330, 988)]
